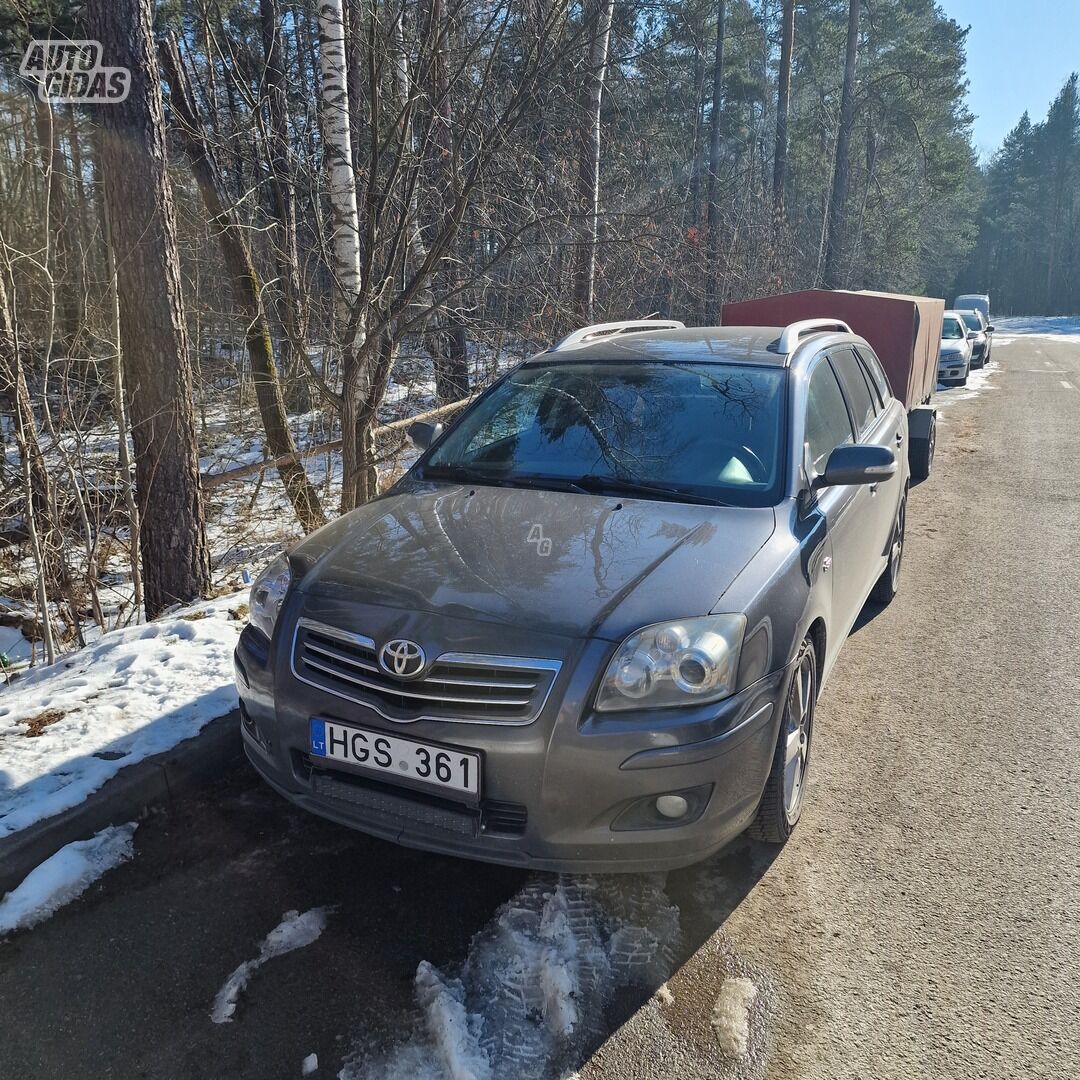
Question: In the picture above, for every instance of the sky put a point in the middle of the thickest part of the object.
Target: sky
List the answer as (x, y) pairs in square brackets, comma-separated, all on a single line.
[(1019, 54)]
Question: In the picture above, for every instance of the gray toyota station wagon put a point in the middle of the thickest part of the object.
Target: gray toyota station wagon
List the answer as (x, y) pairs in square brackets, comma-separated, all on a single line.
[(588, 629)]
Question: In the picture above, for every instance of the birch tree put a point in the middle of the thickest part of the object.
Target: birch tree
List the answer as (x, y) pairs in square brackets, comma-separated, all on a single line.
[(359, 479), (598, 16)]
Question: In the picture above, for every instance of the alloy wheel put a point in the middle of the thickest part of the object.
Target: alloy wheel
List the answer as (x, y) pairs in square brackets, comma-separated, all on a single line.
[(799, 721)]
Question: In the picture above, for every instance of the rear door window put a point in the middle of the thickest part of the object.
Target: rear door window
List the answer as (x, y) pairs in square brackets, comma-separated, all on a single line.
[(877, 373), (864, 407), (828, 424)]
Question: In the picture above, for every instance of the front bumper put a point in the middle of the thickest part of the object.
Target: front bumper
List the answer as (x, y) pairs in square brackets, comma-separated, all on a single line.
[(560, 794), (952, 369)]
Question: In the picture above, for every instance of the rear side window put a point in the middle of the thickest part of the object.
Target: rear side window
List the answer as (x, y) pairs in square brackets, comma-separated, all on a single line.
[(827, 422), (877, 373), (863, 406)]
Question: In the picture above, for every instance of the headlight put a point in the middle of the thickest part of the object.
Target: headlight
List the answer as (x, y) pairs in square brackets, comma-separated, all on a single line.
[(688, 662), (268, 594)]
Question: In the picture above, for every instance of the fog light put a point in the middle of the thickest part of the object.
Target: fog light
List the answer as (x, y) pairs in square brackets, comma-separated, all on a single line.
[(671, 806)]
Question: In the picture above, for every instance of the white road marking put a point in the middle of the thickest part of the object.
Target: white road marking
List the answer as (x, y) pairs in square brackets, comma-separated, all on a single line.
[(1067, 385)]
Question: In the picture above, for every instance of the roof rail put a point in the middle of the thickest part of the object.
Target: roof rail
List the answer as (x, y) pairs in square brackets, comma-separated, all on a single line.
[(588, 334), (789, 339)]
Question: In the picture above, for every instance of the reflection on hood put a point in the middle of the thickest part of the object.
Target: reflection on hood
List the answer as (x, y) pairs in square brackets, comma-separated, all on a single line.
[(564, 563)]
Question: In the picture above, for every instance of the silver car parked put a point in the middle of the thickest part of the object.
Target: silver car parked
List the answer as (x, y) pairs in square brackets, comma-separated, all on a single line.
[(954, 359), (588, 629)]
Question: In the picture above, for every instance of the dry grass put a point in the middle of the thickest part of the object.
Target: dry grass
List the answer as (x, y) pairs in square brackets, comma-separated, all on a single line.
[(36, 725)]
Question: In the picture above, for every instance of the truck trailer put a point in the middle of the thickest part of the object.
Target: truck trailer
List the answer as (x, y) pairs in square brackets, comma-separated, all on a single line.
[(904, 331)]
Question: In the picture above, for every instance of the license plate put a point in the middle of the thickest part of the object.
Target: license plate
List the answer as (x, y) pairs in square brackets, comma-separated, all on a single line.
[(395, 758)]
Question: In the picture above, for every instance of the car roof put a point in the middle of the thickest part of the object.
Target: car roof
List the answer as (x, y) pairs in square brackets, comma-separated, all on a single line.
[(700, 344)]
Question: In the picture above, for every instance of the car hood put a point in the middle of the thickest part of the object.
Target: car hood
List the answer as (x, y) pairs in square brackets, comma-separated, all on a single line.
[(565, 563)]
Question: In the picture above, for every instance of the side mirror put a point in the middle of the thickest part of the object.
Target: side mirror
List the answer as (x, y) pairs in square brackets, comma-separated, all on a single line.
[(989, 329), (972, 335), (422, 434), (858, 465)]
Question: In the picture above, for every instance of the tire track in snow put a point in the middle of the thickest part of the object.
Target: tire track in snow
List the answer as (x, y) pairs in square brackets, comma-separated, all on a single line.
[(529, 999)]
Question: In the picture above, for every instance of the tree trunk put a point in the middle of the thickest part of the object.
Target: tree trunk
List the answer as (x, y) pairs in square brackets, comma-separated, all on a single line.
[(157, 366), (35, 476), (599, 15), (712, 269), (359, 478), (783, 108), (245, 290), (834, 243), (64, 289)]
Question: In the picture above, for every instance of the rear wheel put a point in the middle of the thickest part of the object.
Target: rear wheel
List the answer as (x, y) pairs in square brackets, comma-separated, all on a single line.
[(785, 789), (889, 582), (921, 456)]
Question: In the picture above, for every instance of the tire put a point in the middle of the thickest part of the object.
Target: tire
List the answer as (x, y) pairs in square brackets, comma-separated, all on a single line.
[(921, 454), (785, 789), (886, 586), (963, 381)]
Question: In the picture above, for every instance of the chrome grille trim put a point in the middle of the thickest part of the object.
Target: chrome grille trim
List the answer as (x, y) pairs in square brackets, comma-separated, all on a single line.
[(437, 693)]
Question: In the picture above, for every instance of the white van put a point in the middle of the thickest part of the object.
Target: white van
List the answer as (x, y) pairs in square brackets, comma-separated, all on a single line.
[(973, 302)]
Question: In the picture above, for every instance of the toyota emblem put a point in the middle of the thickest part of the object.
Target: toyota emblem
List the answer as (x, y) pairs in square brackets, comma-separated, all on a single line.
[(401, 658)]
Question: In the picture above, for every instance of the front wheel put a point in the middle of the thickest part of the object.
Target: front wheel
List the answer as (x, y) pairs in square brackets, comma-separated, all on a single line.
[(782, 800)]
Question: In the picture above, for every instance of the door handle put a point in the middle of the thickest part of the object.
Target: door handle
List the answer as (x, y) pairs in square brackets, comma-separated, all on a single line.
[(873, 489), (899, 438)]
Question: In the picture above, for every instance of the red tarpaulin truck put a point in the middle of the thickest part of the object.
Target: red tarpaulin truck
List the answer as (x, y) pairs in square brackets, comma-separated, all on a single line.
[(904, 331)]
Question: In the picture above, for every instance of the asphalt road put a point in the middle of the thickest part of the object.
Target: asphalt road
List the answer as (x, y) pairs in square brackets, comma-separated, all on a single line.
[(924, 921)]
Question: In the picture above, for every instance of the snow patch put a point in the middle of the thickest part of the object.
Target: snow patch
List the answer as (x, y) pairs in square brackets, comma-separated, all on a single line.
[(293, 932), (536, 980), (64, 876), (978, 381), (309, 1065), (731, 1016), (1058, 327), (133, 693)]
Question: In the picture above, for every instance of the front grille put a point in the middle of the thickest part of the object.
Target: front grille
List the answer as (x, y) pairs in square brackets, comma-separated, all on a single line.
[(456, 686), (396, 808)]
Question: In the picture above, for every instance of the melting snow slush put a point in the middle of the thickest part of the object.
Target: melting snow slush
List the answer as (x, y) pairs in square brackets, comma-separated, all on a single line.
[(293, 932), (531, 994)]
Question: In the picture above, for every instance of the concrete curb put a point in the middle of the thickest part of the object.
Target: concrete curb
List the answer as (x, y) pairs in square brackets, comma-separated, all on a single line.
[(155, 781)]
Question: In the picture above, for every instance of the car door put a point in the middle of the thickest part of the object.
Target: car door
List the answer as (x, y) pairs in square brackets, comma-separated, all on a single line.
[(827, 426), (875, 423)]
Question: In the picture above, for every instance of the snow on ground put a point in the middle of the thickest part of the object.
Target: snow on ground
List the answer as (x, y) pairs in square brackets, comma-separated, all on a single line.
[(309, 1065), (531, 993), (66, 729), (978, 381), (731, 1016), (1058, 327), (64, 876), (293, 932)]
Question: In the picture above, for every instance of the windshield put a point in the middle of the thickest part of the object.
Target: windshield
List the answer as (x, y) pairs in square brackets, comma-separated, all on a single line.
[(972, 320), (952, 329), (688, 432)]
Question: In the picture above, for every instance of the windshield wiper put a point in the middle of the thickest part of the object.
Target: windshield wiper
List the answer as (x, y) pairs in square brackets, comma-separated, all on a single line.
[(599, 484), (475, 476), (590, 484)]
